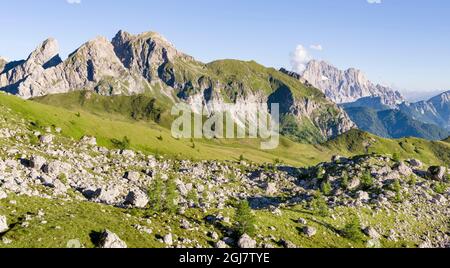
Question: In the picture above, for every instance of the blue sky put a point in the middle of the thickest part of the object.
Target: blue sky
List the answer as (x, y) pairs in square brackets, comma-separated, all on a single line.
[(402, 43)]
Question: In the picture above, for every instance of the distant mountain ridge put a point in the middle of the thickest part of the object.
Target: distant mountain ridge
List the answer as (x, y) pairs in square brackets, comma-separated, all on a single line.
[(149, 64), (394, 124), (433, 111), (425, 119), (345, 86)]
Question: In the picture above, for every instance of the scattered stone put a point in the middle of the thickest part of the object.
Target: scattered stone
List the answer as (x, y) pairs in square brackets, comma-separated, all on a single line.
[(302, 221), (362, 196), (271, 189), (309, 231), (371, 232), (437, 173), (109, 239), (137, 198), (37, 162), (3, 224), (354, 183), (246, 242), (403, 169), (221, 244), (46, 139), (287, 244), (168, 239), (88, 140), (415, 163), (133, 176), (3, 194)]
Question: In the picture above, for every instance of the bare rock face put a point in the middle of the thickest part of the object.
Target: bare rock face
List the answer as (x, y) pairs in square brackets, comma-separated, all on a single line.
[(93, 66), (43, 57), (3, 63), (347, 86)]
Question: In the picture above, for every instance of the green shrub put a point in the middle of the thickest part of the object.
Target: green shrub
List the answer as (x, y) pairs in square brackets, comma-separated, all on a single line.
[(345, 180), (396, 157), (320, 206), (367, 180), (326, 188), (121, 144), (171, 196), (352, 229), (245, 220), (156, 195), (440, 187)]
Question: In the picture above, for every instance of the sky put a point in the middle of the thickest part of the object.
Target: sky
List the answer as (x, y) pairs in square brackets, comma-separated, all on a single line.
[(400, 43)]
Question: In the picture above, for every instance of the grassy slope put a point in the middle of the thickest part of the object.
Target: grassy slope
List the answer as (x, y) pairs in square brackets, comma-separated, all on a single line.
[(146, 137), (431, 152), (69, 220)]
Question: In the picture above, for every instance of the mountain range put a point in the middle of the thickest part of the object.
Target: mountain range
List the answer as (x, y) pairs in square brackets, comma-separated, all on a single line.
[(148, 64), (377, 109)]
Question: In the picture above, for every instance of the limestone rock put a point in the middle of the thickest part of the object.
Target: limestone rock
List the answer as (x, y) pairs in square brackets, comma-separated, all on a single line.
[(246, 241), (109, 239)]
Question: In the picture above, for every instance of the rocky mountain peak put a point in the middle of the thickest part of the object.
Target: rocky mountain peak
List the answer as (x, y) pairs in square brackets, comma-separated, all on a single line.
[(46, 54), (3, 63), (344, 86)]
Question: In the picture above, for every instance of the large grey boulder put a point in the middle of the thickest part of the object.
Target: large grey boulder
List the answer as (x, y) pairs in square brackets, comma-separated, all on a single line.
[(403, 169), (37, 162), (309, 231), (3, 224), (137, 198), (246, 241), (109, 239), (437, 173)]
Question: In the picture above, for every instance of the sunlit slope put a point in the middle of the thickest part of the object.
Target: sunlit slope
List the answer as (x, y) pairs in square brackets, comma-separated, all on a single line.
[(149, 137)]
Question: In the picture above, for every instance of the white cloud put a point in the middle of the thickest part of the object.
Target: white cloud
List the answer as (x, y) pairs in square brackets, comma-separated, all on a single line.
[(77, 2), (299, 58), (374, 1), (316, 47)]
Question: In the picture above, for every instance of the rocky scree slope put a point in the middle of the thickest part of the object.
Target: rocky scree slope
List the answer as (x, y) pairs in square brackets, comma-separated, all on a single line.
[(148, 64), (40, 163)]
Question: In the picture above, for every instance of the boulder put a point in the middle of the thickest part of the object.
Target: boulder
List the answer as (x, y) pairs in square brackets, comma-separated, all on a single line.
[(56, 168), (89, 140), (362, 196), (221, 244), (437, 173), (309, 231), (133, 176), (246, 242), (137, 198), (46, 139), (37, 162), (415, 163), (336, 158), (403, 169), (354, 183), (287, 244), (271, 189), (168, 239), (109, 239), (107, 195), (3, 224), (3, 194), (371, 232)]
